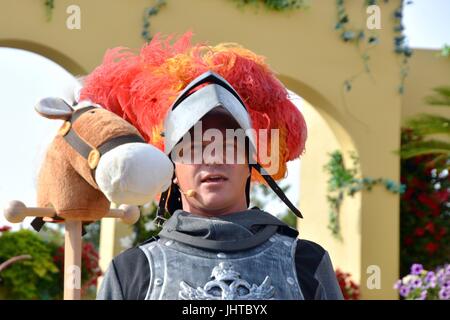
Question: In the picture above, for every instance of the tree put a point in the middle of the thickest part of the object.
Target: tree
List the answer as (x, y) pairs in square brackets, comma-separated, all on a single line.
[(426, 126)]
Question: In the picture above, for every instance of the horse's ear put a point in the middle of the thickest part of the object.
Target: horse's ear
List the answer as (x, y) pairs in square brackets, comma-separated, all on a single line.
[(54, 108)]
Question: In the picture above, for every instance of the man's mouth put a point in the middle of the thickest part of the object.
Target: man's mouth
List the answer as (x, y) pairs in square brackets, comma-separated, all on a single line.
[(213, 178)]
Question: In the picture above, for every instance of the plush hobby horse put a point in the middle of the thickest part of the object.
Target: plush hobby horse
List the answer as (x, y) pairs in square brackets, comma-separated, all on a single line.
[(97, 157)]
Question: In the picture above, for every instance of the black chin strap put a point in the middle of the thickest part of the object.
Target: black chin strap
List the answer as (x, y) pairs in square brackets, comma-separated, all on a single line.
[(276, 188), (159, 219)]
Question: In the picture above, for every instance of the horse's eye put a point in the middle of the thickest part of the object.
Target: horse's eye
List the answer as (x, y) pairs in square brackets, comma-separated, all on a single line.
[(92, 111)]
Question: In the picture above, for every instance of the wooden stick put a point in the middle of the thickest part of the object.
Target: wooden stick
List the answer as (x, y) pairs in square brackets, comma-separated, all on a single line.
[(16, 211), (72, 260), (12, 260)]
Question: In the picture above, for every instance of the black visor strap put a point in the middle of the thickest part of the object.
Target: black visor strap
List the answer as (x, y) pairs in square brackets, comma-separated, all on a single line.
[(159, 219), (276, 188)]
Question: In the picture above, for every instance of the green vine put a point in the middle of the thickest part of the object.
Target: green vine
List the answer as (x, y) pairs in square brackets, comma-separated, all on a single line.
[(445, 51), (344, 181), (148, 13), (363, 40), (276, 5), (401, 46), (353, 35), (49, 6)]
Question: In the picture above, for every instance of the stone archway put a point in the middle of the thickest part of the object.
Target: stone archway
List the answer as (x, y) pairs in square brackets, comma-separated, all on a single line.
[(325, 135), (56, 56)]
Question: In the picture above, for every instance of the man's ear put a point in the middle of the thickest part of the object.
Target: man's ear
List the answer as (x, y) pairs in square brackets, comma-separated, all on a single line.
[(54, 108), (175, 180)]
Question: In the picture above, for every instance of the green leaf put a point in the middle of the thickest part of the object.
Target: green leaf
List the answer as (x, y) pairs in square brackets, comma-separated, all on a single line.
[(440, 98), (419, 148), (425, 124)]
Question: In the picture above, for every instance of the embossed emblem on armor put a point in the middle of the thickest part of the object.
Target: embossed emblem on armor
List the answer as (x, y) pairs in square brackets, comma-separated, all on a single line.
[(226, 284)]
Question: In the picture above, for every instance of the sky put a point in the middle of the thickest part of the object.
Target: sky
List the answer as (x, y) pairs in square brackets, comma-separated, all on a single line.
[(427, 23), (26, 77)]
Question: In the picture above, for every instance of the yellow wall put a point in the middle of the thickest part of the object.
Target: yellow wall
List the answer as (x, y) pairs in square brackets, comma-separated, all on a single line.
[(345, 254), (428, 70), (310, 59)]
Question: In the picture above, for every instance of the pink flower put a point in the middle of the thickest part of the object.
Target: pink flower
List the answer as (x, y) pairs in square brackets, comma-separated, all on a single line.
[(431, 247), (5, 228)]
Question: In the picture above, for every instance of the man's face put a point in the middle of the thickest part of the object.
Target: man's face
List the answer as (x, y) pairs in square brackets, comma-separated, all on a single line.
[(219, 186)]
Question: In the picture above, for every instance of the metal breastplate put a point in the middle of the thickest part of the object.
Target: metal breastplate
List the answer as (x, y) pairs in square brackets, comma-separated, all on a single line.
[(179, 271)]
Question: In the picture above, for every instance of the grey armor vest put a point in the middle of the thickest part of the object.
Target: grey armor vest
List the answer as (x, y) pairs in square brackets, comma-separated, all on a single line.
[(240, 256), (183, 272)]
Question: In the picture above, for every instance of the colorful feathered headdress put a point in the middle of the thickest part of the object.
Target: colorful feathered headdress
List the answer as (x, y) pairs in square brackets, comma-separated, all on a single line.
[(140, 87)]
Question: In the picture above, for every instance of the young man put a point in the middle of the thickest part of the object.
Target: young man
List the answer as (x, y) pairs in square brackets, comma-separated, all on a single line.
[(213, 246)]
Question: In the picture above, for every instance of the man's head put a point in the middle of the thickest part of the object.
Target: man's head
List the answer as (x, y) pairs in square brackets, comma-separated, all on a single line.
[(217, 184), (254, 96)]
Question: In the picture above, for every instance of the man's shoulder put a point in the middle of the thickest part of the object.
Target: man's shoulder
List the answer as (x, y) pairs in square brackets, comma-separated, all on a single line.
[(132, 270), (133, 254), (308, 248), (309, 256)]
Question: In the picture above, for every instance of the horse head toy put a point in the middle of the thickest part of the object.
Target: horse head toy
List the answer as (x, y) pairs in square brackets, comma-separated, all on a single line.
[(97, 158)]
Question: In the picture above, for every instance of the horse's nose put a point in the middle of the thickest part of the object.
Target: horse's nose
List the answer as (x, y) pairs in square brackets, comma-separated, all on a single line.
[(133, 173)]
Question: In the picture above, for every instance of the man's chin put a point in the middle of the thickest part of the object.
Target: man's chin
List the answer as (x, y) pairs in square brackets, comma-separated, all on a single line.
[(214, 203)]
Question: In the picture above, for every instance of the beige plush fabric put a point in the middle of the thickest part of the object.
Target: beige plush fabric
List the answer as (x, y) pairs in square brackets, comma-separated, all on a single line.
[(65, 182)]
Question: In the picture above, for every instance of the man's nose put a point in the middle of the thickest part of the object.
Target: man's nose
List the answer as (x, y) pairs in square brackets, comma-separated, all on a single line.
[(211, 160), (227, 155)]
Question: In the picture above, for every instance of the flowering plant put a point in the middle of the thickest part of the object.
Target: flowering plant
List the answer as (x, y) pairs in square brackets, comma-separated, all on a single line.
[(350, 290), (42, 276), (28, 279), (424, 209), (5, 228), (421, 284)]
